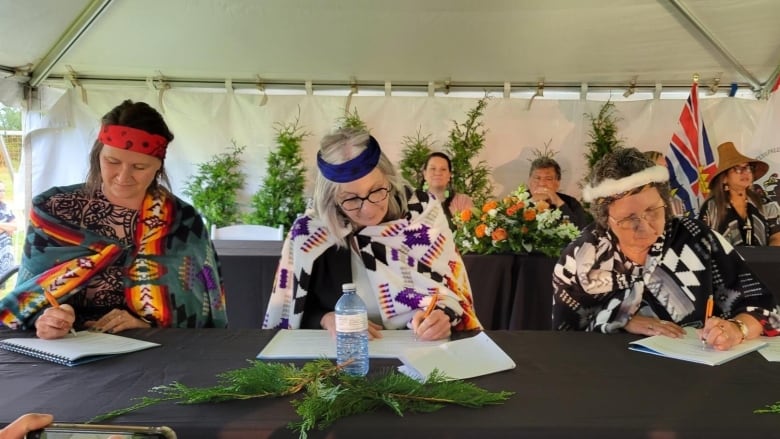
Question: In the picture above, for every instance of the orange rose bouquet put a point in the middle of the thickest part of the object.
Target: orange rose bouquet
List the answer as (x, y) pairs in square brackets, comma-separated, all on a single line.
[(515, 224)]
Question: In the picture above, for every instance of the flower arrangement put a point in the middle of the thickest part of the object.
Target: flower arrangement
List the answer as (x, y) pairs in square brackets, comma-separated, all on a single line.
[(515, 224)]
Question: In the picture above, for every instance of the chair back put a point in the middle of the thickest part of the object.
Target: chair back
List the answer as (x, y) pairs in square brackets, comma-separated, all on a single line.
[(250, 232)]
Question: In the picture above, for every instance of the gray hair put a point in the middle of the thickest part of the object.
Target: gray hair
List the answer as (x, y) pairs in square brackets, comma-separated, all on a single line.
[(339, 147), (617, 164)]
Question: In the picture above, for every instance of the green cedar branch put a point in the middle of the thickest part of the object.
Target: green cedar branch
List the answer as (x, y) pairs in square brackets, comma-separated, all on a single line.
[(328, 394)]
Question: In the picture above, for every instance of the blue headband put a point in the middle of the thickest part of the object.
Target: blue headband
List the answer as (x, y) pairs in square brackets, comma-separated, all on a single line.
[(352, 169)]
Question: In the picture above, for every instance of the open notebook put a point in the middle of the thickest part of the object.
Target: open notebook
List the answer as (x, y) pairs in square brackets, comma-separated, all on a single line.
[(73, 350), (465, 358), (690, 348), (318, 343)]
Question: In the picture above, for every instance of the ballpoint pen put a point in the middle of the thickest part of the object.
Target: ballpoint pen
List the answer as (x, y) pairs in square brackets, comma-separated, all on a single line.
[(53, 302), (431, 306), (428, 310), (708, 314)]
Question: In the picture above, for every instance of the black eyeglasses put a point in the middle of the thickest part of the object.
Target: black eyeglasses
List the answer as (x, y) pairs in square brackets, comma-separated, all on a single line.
[(632, 222), (373, 197)]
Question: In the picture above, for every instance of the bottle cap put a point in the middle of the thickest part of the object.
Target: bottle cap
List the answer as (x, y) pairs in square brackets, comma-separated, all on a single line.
[(346, 287)]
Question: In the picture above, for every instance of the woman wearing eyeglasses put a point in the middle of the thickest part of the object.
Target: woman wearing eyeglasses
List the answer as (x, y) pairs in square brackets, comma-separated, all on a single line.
[(368, 228), (733, 208), (639, 269)]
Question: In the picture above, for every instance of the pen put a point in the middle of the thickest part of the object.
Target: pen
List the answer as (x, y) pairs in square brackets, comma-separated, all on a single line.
[(708, 312), (53, 302), (428, 310), (431, 306)]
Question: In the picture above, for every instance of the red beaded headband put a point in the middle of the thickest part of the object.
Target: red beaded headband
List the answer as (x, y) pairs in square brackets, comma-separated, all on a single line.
[(133, 139)]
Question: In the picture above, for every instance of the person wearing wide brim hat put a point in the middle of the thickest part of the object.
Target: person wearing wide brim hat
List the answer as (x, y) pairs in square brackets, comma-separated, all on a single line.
[(734, 208)]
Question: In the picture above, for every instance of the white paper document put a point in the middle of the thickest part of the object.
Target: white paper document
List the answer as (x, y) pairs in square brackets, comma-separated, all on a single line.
[(72, 350), (690, 348), (460, 359), (318, 343), (772, 349)]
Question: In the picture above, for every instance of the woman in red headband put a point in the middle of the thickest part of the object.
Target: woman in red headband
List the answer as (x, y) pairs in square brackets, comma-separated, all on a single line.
[(369, 229), (119, 251)]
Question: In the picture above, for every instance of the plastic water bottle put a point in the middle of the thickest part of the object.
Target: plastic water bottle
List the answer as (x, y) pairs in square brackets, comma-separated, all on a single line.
[(352, 331)]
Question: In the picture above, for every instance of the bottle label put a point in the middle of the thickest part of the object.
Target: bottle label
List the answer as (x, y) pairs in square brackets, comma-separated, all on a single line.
[(351, 322)]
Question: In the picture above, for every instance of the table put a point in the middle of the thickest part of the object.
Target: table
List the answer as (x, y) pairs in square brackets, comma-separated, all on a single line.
[(567, 384), (510, 291), (765, 262), (248, 269)]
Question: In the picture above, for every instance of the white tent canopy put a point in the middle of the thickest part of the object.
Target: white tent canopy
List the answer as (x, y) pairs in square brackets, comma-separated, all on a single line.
[(209, 65), (563, 42)]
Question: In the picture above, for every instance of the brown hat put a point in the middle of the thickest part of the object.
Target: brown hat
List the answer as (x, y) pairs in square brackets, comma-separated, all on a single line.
[(728, 157)]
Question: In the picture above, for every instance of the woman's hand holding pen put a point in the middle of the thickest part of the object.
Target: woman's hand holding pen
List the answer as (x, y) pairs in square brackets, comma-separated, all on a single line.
[(55, 322), (431, 324), (721, 334)]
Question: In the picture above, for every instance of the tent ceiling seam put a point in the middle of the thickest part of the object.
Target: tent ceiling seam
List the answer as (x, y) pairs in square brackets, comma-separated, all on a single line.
[(68, 38), (717, 45)]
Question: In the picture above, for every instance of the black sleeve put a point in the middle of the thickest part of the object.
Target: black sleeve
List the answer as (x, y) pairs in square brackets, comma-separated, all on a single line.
[(574, 210), (331, 270)]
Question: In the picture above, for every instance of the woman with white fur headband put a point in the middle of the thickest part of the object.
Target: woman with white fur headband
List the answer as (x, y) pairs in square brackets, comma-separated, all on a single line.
[(638, 269)]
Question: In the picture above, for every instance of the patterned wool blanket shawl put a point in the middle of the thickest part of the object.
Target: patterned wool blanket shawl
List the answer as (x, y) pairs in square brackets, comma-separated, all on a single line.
[(407, 260), (171, 272)]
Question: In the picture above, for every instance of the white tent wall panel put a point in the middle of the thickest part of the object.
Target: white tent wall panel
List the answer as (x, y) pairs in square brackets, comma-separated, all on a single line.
[(204, 123)]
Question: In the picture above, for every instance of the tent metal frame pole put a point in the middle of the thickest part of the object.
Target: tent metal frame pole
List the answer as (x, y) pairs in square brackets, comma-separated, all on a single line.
[(770, 83), (68, 38), (240, 83), (717, 45)]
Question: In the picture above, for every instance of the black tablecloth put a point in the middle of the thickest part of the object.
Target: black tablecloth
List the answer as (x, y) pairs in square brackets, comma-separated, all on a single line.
[(765, 263), (248, 269), (566, 384), (510, 291)]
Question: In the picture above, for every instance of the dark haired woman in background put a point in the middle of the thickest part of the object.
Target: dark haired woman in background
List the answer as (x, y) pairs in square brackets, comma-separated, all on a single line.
[(733, 209), (437, 179)]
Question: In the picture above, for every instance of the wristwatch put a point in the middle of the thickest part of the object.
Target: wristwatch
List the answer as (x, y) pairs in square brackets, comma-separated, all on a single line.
[(743, 328)]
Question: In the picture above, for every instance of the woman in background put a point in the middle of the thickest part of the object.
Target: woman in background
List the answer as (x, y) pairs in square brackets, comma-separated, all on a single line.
[(437, 179), (733, 209)]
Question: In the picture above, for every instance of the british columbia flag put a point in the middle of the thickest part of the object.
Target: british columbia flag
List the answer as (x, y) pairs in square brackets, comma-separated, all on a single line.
[(690, 160)]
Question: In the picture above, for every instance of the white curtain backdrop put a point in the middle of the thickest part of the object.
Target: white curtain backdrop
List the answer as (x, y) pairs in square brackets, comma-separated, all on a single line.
[(765, 144), (61, 128)]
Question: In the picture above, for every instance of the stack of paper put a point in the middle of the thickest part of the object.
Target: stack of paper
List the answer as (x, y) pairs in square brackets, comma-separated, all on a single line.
[(466, 358)]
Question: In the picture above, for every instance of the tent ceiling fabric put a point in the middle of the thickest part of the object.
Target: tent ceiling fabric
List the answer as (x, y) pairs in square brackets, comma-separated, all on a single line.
[(489, 42)]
